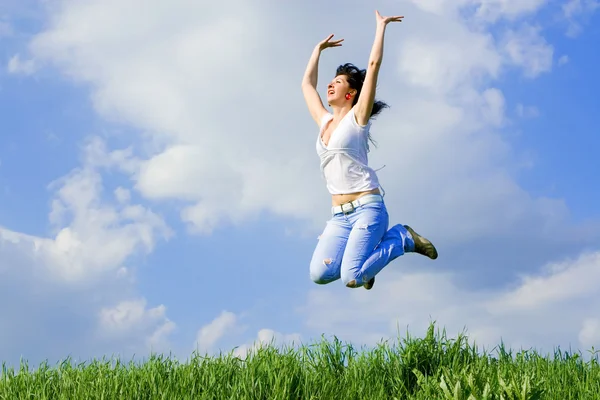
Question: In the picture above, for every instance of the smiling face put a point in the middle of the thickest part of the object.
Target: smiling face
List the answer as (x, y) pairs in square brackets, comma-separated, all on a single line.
[(337, 90)]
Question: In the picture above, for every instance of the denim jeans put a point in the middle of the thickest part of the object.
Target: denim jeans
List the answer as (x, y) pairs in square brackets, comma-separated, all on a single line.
[(358, 245)]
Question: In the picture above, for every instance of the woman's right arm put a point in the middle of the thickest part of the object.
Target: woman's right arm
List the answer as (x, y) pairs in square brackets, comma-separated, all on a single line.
[(309, 81)]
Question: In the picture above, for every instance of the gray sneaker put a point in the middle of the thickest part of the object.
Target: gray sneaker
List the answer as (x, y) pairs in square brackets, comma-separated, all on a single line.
[(422, 245)]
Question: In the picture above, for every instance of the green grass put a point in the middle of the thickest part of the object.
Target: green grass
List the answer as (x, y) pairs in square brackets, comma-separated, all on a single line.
[(432, 367)]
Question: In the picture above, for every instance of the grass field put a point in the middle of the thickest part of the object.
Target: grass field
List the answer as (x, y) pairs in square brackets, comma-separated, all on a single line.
[(432, 367)]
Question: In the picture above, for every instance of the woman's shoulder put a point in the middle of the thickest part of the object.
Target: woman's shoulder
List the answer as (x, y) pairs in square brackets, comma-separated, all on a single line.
[(354, 121)]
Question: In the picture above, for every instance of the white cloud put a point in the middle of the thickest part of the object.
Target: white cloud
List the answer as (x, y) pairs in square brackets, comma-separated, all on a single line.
[(209, 339), (79, 278), (485, 10), (98, 237), (552, 307), (562, 282), (493, 107), (268, 337), (589, 336), (577, 12), (18, 66), (563, 60), (526, 48), (443, 64), (209, 335), (92, 238), (492, 10), (524, 111), (131, 320), (122, 195)]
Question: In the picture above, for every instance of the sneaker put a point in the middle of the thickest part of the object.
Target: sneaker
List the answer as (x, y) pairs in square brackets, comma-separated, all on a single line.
[(422, 245), (369, 284)]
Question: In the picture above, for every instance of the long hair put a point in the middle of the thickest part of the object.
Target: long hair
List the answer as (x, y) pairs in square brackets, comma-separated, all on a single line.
[(356, 78)]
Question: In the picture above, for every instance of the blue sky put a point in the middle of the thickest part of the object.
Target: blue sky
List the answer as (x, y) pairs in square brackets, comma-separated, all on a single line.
[(156, 196), (563, 136)]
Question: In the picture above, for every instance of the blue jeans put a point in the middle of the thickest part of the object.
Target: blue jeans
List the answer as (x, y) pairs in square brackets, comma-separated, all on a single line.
[(357, 246)]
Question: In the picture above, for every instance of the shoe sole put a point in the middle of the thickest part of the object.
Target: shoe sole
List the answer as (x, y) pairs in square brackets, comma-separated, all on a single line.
[(422, 245)]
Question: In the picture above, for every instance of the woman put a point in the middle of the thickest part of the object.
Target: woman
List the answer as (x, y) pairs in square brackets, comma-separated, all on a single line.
[(355, 244)]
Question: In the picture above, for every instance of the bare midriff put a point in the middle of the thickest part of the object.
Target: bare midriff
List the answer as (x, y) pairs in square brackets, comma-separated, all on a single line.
[(338, 199)]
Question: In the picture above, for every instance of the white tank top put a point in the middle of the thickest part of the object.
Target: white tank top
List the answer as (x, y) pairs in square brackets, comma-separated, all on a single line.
[(344, 162)]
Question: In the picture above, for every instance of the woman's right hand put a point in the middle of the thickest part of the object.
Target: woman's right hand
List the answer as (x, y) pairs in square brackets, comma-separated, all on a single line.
[(328, 43)]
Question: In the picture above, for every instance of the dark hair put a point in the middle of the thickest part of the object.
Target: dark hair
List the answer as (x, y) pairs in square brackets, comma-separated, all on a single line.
[(356, 78)]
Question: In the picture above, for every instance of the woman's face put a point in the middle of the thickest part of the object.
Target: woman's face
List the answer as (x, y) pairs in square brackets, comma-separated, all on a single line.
[(337, 89)]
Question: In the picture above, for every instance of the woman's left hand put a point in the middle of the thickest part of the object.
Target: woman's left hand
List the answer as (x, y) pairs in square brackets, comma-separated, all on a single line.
[(386, 20)]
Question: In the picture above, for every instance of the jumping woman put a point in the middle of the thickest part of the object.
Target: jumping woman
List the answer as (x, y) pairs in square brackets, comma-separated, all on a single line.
[(356, 243)]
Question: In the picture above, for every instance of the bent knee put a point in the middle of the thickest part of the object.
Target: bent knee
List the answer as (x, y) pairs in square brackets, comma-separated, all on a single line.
[(350, 279), (317, 276), (351, 282), (321, 272), (319, 279)]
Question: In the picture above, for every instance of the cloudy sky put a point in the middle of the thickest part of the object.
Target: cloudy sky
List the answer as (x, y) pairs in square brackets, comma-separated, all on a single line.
[(160, 189)]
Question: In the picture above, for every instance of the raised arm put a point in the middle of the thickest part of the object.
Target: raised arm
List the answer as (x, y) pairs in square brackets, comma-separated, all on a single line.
[(364, 105), (309, 81)]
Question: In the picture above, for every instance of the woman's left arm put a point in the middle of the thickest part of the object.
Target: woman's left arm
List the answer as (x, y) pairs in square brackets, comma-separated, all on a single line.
[(364, 106)]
